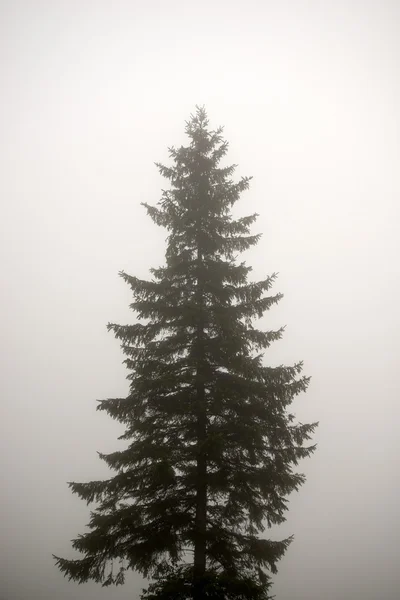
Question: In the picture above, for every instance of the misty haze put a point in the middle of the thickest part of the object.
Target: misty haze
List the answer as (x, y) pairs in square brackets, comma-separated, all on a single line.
[(92, 95)]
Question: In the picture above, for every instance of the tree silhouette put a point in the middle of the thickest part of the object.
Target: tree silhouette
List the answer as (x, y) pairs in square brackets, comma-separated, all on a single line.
[(211, 444)]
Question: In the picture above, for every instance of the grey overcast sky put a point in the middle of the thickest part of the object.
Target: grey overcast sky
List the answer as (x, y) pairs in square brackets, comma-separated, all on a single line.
[(92, 93)]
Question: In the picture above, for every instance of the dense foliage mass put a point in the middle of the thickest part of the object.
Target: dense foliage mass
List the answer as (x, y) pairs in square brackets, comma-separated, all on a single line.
[(211, 444)]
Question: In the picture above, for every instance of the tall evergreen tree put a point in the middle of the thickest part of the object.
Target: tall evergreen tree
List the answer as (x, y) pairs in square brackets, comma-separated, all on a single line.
[(211, 444)]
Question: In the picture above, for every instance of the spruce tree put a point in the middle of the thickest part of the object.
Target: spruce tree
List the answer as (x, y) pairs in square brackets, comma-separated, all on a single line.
[(210, 442)]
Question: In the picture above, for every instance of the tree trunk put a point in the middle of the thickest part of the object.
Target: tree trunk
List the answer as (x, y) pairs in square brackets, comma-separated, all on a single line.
[(201, 510), (199, 565)]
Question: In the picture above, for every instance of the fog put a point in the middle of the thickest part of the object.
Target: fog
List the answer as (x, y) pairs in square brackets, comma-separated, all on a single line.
[(92, 94)]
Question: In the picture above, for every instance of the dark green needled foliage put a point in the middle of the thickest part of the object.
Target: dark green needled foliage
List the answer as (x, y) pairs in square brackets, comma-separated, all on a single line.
[(210, 444)]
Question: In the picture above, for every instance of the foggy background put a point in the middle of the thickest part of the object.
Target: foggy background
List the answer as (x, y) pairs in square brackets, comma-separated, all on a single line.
[(92, 93)]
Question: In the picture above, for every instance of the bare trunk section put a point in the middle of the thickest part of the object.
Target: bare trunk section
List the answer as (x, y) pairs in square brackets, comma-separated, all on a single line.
[(201, 503)]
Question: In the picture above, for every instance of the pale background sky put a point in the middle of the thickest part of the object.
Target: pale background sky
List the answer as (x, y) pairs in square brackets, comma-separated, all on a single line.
[(92, 93)]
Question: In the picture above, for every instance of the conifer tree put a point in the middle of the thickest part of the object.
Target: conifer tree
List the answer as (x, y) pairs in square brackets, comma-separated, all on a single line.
[(210, 442)]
